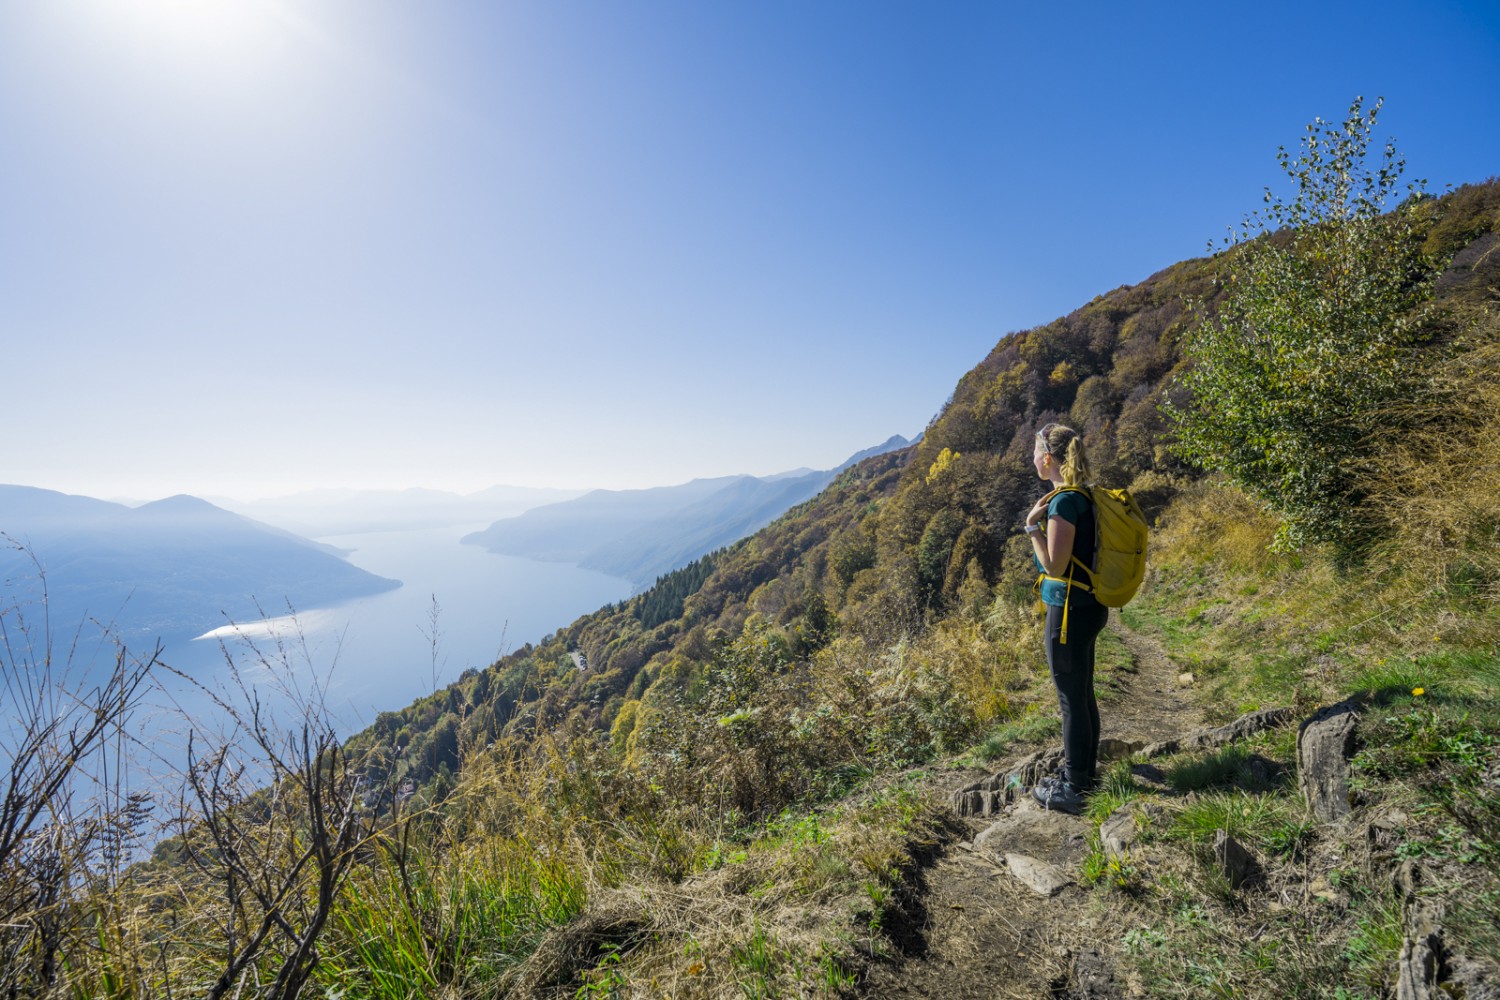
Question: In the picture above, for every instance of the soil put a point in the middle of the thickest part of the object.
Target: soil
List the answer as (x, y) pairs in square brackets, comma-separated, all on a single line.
[(973, 930)]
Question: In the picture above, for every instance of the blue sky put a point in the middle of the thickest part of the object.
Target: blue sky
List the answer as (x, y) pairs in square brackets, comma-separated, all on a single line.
[(254, 246)]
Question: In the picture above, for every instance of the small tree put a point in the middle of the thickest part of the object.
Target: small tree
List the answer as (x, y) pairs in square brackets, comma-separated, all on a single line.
[(67, 819), (1312, 334), (273, 816)]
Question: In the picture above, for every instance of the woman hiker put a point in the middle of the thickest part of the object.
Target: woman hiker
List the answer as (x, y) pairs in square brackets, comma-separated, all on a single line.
[(1062, 529)]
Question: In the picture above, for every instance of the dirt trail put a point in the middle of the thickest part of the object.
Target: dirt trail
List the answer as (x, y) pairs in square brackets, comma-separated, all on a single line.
[(1153, 706), (974, 931)]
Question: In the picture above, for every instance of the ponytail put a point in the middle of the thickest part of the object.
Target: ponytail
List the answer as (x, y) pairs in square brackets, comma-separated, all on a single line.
[(1063, 441)]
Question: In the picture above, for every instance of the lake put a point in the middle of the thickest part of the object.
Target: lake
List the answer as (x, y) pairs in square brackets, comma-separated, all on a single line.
[(378, 653)]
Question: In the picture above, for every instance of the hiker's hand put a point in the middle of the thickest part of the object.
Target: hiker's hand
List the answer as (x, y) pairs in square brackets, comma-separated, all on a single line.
[(1038, 513)]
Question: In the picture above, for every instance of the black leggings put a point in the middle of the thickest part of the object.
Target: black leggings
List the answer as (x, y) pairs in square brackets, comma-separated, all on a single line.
[(1072, 666)]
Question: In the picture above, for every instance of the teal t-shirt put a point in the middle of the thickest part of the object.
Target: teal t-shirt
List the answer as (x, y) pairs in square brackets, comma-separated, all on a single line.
[(1078, 510)]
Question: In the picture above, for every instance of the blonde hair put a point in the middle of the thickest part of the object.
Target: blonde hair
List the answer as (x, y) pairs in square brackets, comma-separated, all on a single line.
[(1060, 440)]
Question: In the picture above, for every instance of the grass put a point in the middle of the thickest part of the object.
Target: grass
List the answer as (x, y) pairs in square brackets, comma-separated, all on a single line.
[(1234, 765), (1375, 940), (452, 918), (1242, 815), (1117, 787), (1257, 630), (1032, 728), (722, 932)]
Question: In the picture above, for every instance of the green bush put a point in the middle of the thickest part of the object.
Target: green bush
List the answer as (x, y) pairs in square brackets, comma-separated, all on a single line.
[(1310, 340)]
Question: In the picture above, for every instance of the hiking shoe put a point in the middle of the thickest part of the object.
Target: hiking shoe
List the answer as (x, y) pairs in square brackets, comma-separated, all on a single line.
[(1058, 795)]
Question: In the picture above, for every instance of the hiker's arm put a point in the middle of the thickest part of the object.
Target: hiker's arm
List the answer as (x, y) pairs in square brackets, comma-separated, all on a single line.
[(1054, 547)]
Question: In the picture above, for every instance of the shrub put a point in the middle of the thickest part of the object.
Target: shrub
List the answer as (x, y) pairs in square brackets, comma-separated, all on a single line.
[(1311, 337)]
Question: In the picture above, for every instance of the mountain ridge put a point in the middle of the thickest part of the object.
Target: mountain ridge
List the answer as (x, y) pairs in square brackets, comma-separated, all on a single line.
[(340, 511), (640, 535), (175, 566)]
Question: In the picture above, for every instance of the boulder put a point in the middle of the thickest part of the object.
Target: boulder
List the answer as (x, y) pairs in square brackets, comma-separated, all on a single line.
[(1038, 876), (1056, 837), (1325, 744)]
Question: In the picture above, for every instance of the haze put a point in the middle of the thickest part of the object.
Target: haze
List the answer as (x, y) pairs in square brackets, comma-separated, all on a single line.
[(255, 247)]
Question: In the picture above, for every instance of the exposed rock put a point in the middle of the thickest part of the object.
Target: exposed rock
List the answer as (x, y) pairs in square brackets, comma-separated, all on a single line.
[(1059, 838), (1032, 768), (1114, 749), (1416, 972), (975, 802), (1038, 876), (1420, 966), (1235, 862), (1408, 879), (1150, 774), (988, 796), (1325, 743), (1473, 979), (1093, 976), (1119, 833), (1244, 727), (1161, 748), (1385, 832)]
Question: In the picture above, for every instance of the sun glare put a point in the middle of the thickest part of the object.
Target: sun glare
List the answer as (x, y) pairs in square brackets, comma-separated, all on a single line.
[(196, 23), (214, 33)]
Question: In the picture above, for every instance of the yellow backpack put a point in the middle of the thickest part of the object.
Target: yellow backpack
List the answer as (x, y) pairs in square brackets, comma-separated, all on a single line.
[(1120, 535)]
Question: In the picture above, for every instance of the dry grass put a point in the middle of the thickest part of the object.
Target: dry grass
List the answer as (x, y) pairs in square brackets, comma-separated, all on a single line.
[(1211, 522), (789, 912), (1438, 487), (1434, 566)]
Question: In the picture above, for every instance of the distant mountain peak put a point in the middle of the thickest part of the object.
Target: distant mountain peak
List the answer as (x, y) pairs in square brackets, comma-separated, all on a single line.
[(893, 443), (173, 566), (181, 503)]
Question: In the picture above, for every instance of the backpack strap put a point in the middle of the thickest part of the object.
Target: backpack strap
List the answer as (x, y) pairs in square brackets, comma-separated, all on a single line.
[(1072, 562)]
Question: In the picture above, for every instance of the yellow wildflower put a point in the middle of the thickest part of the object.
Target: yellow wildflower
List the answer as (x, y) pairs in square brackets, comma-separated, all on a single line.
[(1418, 692)]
